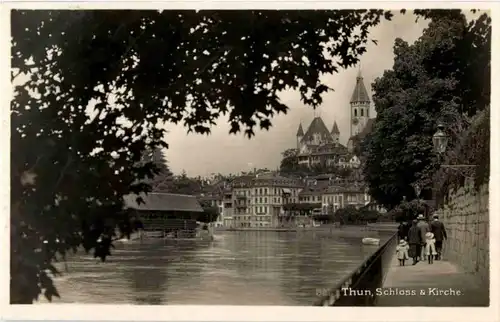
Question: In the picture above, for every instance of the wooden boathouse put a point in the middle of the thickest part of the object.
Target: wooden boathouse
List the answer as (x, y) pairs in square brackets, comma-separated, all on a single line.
[(165, 212)]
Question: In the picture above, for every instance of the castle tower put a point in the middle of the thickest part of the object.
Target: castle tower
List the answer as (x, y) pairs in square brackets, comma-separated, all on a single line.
[(360, 106), (335, 133), (300, 135)]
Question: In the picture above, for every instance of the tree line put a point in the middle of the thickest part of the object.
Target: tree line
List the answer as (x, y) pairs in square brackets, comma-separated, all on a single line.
[(444, 77)]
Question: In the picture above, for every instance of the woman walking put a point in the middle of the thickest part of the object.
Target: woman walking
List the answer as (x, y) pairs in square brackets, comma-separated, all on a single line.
[(415, 242)]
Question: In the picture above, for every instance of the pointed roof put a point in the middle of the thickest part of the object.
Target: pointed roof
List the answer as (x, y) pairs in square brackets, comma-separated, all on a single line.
[(319, 127), (360, 94), (300, 131), (335, 128)]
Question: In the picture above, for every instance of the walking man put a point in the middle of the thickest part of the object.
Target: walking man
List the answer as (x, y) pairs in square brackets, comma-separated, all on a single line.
[(415, 242), (423, 228), (437, 228)]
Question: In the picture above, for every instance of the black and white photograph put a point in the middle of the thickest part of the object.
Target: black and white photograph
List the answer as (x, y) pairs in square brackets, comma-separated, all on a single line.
[(250, 157)]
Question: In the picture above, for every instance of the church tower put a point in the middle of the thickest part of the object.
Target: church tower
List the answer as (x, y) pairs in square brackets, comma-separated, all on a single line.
[(360, 106), (300, 135)]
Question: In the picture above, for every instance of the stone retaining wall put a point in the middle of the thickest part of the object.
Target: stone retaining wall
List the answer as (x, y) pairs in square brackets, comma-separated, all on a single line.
[(466, 219)]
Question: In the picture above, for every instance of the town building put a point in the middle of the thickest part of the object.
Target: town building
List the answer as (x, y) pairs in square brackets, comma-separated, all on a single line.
[(258, 199), (242, 188), (219, 194), (345, 194)]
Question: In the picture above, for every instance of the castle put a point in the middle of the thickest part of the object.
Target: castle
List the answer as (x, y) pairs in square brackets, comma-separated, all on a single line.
[(320, 146)]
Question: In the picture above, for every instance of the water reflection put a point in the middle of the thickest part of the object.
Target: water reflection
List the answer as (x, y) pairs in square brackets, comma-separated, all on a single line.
[(239, 268)]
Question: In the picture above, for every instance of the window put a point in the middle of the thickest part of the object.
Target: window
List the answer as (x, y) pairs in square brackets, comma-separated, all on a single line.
[(355, 112), (361, 111), (265, 199), (265, 191), (260, 199), (260, 191)]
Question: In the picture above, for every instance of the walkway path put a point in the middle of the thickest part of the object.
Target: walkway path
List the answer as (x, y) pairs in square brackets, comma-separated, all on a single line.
[(430, 278)]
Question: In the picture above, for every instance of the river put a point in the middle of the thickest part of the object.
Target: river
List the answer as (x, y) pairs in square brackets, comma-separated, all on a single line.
[(239, 268)]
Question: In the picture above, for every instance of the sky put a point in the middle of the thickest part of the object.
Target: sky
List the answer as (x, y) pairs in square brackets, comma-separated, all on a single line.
[(224, 153)]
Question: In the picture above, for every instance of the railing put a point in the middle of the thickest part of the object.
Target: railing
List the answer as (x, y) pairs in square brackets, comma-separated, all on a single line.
[(359, 288)]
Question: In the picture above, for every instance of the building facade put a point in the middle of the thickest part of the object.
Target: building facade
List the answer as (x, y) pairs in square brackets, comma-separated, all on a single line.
[(258, 200)]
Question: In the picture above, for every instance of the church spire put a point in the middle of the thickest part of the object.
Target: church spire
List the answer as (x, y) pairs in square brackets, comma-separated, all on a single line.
[(360, 94), (335, 128), (300, 131)]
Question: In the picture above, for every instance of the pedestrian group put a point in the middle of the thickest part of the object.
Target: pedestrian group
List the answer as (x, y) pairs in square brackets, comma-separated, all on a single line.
[(422, 240)]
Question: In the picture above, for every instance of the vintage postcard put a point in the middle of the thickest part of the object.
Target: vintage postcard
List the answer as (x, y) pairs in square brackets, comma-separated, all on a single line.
[(224, 161)]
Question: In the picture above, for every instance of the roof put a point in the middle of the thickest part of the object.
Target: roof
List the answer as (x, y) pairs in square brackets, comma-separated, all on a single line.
[(317, 127), (360, 94), (243, 180), (163, 202), (335, 128), (345, 188), (312, 191), (300, 131)]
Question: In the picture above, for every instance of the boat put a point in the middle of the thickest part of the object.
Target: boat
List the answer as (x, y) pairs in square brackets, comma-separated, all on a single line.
[(217, 238), (371, 241)]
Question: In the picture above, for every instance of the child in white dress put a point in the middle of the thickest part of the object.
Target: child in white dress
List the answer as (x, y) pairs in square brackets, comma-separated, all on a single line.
[(430, 247), (402, 252)]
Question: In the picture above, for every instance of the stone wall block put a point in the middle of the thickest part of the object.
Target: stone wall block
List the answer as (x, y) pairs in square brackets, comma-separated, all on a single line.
[(466, 218)]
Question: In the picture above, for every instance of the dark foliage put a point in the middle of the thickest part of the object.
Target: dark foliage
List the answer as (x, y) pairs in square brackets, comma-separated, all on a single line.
[(352, 216), (472, 148), (406, 211), (444, 77)]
